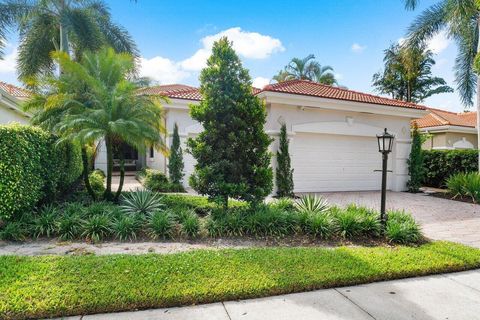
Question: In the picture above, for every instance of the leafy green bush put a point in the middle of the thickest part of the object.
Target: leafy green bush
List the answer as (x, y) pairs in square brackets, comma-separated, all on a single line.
[(14, 231), (99, 208), (125, 227), (465, 185), (156, 180), (161, 224), (45, 224), (402, 228), (199, 204), (283, 204), (97, 181), (33, 168), (268, 221), (356, 221), (141, 202), (97, 227), (439, 165)]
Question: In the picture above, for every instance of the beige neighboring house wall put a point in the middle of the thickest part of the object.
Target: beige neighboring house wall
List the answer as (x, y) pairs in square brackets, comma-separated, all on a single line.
[(448, 130), (11, 98)]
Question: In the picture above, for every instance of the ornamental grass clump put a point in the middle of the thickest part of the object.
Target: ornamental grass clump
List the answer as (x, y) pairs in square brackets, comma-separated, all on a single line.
[(14, 231), (96, 228), (465, 185), (125, 227), (45, 223), (69, 226), (402, 228), (190, 226), (161, 224)]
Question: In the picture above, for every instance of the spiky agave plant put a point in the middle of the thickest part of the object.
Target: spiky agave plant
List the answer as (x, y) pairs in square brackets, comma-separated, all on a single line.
[(141, 202), (312, 203)]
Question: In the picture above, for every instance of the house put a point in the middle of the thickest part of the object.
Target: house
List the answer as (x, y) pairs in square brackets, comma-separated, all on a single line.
[(449, 130), (11, 98), (332, 133)]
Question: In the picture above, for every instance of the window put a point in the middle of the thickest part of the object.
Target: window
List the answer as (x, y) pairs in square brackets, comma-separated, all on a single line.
[(152, 154)]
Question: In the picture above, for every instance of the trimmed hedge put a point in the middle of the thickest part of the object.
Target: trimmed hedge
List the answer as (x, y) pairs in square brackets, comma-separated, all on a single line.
[(439, 165), (33, 169)]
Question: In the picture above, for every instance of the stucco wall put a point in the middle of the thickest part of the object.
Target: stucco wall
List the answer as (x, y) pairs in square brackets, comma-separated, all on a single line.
[(8, 115), (447, 140), (292, 115)]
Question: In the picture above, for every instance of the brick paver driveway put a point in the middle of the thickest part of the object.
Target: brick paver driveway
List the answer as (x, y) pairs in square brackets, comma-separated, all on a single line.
[(441, 219)]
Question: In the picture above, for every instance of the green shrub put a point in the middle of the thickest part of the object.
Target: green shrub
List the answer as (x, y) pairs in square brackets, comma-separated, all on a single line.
[(415, 161), (190, 226), (99, 208), (284, 171), (439, 165), (402, 228), (141, 202), (45, 224), (97, 227), (33, 168), (227, 223), (347, 223), (286, 204), (311, 203), (369, 220), (175, 162), (97, 182), (14, 231), (69, 226), (74, 208), (156, 180), (125, 227), (161, 224), (199, 204), (267, 221)]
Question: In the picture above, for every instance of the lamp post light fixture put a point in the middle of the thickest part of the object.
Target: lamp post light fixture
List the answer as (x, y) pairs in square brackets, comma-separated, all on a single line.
[(385, 144)]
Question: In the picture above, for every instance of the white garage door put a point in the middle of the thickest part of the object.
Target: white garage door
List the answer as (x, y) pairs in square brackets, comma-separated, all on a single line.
[(325, 162)]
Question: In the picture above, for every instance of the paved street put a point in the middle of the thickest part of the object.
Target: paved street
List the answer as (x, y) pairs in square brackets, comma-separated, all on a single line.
[(441, 219), (451, 296)]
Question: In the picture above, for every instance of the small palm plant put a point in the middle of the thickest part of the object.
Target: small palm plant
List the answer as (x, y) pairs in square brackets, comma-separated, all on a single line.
[(312, 203), (141, 202)]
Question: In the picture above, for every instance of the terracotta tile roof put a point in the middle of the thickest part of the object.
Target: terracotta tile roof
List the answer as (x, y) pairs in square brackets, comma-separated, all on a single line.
[(309, 88), (437, 117), (14, 90), (180, 91), (174, 91), (299, 87)]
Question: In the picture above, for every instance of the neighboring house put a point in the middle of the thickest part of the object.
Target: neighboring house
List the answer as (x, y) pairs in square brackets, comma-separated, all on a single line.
[(332, 133), (449, 130), (11, 98)]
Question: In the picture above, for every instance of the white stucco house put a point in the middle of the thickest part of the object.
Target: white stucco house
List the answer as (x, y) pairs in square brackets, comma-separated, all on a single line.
[(11, 98), (332, 133)]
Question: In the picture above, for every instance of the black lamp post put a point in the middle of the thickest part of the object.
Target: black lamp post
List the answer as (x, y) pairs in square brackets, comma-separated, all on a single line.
[(385, 143)]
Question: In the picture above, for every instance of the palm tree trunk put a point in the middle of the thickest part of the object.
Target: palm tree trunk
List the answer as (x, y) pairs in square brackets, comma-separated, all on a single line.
[(122, 175), (108, 191), (85, 174), (478, 99)]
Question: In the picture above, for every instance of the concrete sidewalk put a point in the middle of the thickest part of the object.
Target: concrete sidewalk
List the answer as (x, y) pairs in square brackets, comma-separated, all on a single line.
[(448, 296)]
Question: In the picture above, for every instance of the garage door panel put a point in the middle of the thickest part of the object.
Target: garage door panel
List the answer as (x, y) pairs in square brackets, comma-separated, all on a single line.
[(325, 162)]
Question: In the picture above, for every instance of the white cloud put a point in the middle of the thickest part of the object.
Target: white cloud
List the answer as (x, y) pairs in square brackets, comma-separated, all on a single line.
[(439, 42), (358, 48), (162, 70), (251, 45), (9, 62), (260, 82)]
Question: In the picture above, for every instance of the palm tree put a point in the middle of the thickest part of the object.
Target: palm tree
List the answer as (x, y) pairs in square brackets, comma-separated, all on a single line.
[(461, 20), (71, 26), (408, 74), (306, 69), (95, 100)]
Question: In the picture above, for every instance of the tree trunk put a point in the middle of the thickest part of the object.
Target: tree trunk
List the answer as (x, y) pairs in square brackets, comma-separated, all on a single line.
[(85, 174), (108, 191), (122, 175), (478, 99)]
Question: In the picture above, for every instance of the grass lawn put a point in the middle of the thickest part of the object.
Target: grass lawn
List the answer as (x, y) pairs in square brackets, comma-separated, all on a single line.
[(59, 285)]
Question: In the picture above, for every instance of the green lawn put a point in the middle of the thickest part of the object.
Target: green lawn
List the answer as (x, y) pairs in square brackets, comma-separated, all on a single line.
[(59, 285)]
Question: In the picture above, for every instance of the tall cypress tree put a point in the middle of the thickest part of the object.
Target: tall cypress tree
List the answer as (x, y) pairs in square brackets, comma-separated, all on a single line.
[(415, 161), (232, 151), (175, 161), (284, 172)]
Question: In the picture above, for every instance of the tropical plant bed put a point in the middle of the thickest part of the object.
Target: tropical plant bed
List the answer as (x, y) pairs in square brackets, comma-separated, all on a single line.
[(49, 286), (449, 196)]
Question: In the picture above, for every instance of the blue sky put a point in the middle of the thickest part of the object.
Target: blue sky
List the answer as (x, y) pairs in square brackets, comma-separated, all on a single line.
[(174, 37)]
